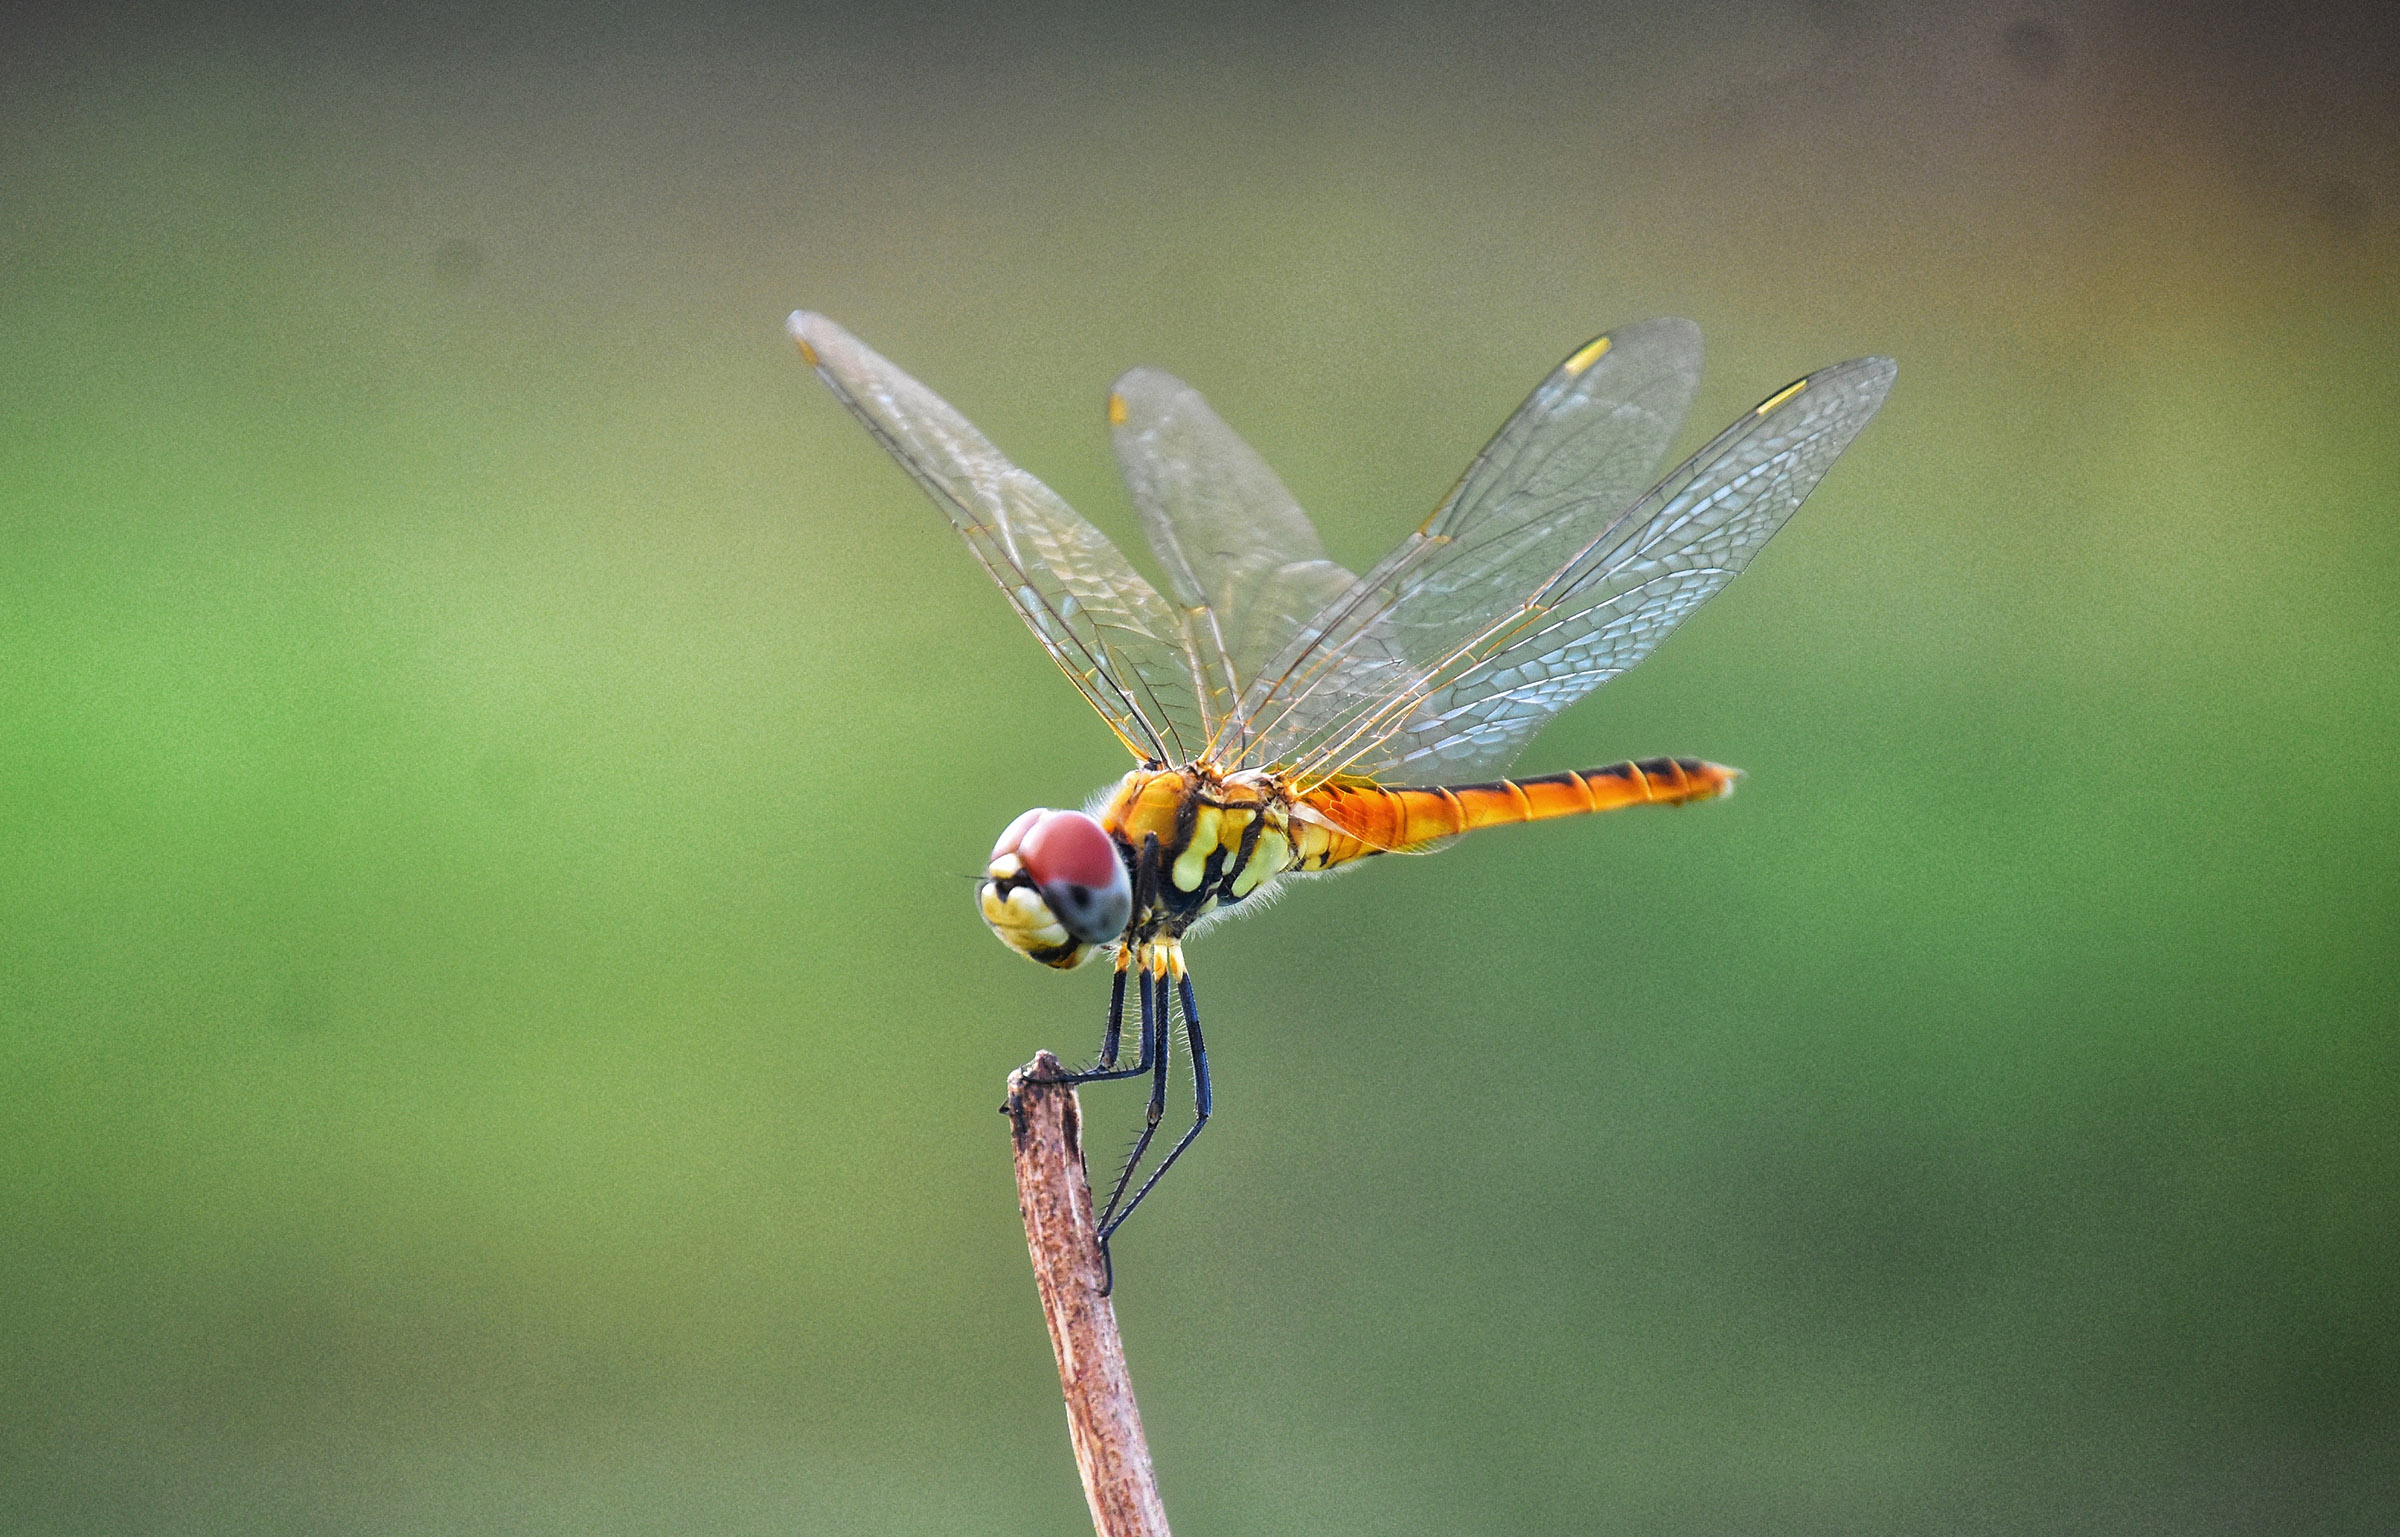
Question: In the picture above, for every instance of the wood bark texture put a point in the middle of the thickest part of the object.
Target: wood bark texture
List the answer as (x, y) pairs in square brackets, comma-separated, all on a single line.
[(1055, 1197)]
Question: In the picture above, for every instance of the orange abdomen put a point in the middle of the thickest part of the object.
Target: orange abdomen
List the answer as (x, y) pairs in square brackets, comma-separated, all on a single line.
[(1368, 818)]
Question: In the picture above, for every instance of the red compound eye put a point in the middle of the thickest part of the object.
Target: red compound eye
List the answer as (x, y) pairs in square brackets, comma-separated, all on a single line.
[(1067, 847), (1073, 863)]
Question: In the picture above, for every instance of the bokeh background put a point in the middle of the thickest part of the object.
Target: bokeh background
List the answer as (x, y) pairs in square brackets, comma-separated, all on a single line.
[(493, 1034)]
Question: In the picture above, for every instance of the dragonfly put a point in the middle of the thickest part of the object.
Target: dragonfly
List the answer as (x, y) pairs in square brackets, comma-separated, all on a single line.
[(1288, 717)]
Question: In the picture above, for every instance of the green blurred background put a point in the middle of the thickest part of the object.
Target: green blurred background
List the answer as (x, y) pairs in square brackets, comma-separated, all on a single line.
[(493, 1033)]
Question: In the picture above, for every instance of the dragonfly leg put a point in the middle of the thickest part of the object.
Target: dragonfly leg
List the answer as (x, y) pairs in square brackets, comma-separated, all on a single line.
[(1115, 1032), (1107, 1069), (1203, 1101), (1155, 1023)]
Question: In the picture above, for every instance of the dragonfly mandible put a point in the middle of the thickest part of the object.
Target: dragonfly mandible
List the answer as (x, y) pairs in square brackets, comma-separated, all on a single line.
[(1289, 717)]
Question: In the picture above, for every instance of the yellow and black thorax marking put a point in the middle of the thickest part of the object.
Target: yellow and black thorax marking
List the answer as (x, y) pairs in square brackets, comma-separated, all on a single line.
[(1196, 842)]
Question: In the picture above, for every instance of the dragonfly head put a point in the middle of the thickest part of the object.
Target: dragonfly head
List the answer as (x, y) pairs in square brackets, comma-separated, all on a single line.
[(1056, 888)]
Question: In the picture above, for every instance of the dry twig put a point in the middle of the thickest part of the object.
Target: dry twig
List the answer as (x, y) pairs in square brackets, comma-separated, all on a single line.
[(1056, 1198)]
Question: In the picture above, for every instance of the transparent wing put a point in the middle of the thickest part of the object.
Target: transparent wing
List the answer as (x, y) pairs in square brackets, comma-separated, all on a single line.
[(1116, 639), (1485, 684), (1578, 451), (1241, 558)]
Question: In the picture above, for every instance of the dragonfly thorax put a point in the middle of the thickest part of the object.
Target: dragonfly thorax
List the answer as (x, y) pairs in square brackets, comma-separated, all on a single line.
[(1198, 842)]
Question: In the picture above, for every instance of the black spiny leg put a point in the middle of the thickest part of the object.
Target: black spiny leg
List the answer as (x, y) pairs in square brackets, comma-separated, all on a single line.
[(1155, 1024), (1106, 1068), (1202, 1102), (1115, 1032)]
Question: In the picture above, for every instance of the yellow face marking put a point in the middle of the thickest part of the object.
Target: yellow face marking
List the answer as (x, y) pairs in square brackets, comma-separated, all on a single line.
[(808, 354), (1116, 409), (1780, 396), (1022, 920), (1591, 353)]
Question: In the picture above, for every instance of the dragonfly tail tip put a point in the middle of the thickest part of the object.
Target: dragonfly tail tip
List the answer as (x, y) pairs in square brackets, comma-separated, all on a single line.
[(797, 326)]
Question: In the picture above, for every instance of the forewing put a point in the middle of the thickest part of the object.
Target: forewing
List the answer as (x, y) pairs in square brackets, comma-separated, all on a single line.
[(1116, 639), (1241, 557), (1609, 606), (1570, 460)]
